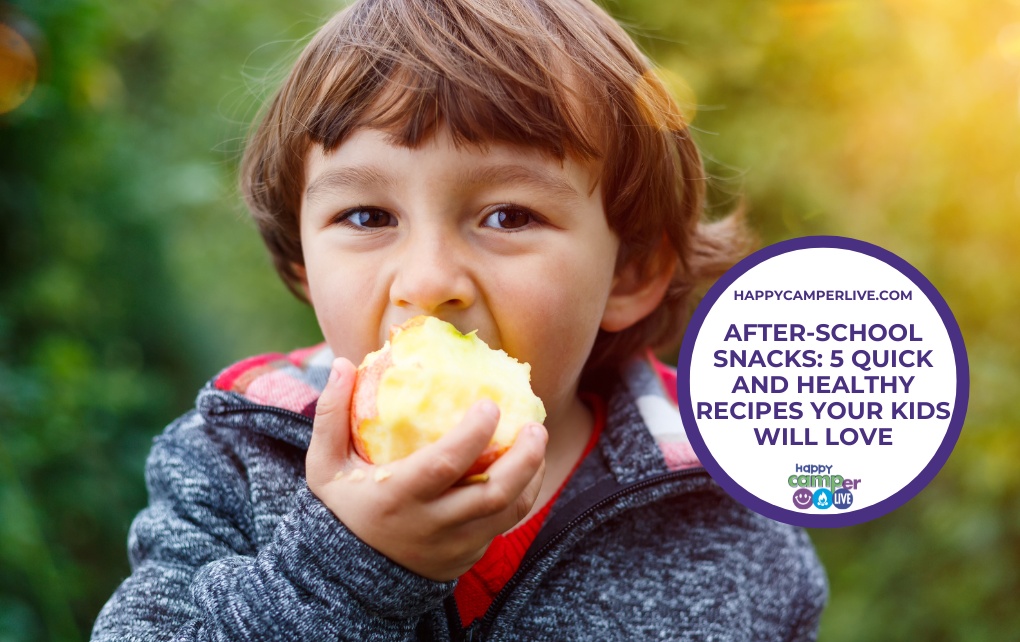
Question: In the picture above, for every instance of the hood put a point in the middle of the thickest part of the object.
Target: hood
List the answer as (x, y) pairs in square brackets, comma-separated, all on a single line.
[(275, 394)]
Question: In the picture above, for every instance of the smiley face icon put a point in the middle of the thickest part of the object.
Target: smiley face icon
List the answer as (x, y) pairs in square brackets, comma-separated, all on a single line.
[(803, 498)]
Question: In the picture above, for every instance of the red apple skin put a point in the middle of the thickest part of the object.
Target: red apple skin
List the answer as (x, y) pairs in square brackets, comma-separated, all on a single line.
[(363, 399), (364, 404), (491, 453)]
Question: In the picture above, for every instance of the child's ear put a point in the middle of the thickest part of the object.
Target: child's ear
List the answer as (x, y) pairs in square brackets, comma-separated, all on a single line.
[(636, 293)]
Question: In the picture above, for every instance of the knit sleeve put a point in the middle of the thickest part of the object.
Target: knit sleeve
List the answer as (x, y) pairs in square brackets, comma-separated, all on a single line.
[(197, 574), (811, 599)]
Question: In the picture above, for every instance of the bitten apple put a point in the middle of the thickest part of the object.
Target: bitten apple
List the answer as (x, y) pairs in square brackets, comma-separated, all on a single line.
[(420, 384)]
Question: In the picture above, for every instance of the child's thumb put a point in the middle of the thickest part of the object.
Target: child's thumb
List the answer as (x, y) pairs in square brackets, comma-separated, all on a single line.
[(331, 428)]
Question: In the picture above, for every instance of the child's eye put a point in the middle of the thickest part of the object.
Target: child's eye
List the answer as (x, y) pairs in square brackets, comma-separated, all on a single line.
[(367, 218), (508, 218)]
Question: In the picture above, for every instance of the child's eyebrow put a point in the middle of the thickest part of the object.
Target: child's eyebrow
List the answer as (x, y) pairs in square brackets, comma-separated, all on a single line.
[(487, 175), (348, 176)]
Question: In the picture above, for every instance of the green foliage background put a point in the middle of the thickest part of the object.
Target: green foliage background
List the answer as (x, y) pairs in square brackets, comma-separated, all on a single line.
[(129, 272)]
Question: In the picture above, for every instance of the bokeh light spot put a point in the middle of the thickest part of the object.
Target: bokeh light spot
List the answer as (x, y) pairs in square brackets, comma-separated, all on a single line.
[(18, 69), (1009, 43), (665, 99), (686, 99)]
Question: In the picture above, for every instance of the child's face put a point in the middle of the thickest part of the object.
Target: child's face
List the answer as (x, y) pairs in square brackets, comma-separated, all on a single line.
[(508, 241)]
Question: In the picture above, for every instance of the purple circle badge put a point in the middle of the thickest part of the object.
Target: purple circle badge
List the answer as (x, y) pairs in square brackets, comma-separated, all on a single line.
[(842, 499), (826, 367), (803, 498)]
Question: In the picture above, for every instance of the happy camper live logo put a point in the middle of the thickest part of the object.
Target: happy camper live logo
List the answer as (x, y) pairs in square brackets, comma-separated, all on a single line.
[(817, 486)]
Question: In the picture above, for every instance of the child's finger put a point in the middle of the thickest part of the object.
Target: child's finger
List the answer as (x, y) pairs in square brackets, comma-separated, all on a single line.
[(511, 478), (434, 468), (516, 512), (331, 429)]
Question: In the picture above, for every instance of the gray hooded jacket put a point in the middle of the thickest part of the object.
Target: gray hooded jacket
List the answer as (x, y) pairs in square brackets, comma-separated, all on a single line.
[(641, 543)]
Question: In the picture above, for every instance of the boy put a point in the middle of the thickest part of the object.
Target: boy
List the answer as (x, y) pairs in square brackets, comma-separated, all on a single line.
[(515, 168)]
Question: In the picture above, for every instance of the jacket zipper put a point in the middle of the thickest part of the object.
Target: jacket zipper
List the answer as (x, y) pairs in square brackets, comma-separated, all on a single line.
[(283, 412), (480, 629)]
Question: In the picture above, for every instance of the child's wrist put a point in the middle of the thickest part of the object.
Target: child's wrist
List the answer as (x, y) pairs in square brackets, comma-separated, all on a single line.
[(318, 549)]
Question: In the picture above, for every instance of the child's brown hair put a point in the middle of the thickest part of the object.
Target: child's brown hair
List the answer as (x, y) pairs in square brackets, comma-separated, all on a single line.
[(559, 75)]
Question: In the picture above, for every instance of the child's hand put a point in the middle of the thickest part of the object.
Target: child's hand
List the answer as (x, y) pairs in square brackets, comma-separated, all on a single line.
[(409, 510)]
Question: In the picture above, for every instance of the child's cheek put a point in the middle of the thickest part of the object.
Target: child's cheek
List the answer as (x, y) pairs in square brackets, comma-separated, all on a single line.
[(553, 320), (347, 306)]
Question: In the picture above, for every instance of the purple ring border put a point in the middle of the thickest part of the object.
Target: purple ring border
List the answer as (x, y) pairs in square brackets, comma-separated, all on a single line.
[(849, 518)]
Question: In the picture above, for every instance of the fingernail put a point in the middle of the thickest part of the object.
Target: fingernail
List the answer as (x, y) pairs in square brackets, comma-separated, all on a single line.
[(334, 375), (489, 408), (538, 431)]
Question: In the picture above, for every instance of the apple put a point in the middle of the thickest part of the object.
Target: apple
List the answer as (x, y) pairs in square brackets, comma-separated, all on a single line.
[(419, 385)]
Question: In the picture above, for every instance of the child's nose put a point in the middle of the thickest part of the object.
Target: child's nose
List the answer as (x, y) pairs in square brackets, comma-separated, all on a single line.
[(432, 278)]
